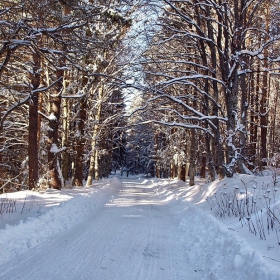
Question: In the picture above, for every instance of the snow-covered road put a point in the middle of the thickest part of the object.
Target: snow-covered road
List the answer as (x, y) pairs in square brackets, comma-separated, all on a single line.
[(128, 229), (133, 236)]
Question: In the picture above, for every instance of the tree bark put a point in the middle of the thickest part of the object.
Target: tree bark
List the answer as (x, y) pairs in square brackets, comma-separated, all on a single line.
[(65, 157), (96, 165), (157, 167), (93, 165), (203, 168), (56, 179), (80, 142), (33, 163), (192, 158), (172, 169), (52, 144), (264, 96), (254, 88)]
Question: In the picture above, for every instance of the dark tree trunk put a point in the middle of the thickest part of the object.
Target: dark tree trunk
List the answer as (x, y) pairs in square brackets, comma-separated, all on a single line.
[(254, 89), (182, 174), (211, 166), (33, 163), (55, 180), (192, 158), (264, 96), (203, 168), (264, 118), (273, 120), (65, 156), (78, 176)]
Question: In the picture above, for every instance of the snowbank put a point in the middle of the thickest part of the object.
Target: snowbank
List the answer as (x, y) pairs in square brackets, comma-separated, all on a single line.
[(218, 251), (45, 222)]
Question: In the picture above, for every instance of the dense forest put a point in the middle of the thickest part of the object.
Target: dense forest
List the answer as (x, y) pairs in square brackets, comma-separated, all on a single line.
[(165, 88)]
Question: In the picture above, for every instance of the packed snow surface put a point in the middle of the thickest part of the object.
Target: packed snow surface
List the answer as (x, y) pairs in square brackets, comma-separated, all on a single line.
[(132, 228)]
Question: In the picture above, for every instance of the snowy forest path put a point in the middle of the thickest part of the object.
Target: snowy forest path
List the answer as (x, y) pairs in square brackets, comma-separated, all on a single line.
[(132, 237)]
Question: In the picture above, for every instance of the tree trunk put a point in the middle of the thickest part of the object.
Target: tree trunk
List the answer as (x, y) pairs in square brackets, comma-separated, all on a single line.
[(78, 175), (254, 115), (172, 169), (211, 166), (192, 158), (93, 165), (273, 119), (55, 180), (182, 173), (264, 96), (264, 118), (40, 107), (156, 159), (33, 125), (96, 165), (243, 117), (65, 157), (203, 168)]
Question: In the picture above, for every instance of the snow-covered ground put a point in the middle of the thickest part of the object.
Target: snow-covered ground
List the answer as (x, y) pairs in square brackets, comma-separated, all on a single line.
[(143, 229)]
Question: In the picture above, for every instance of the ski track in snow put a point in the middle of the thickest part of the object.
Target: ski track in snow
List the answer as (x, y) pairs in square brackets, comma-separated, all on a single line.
[(140, 234)]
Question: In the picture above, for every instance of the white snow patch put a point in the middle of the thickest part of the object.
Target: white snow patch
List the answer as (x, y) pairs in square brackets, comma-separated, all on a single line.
[(52, 117), (47, 214), (54, 149), (238, 261), (115, 182)]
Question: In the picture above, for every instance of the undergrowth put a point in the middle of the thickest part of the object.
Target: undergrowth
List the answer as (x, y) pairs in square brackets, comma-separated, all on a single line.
[(254, 206), (8, 206)]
